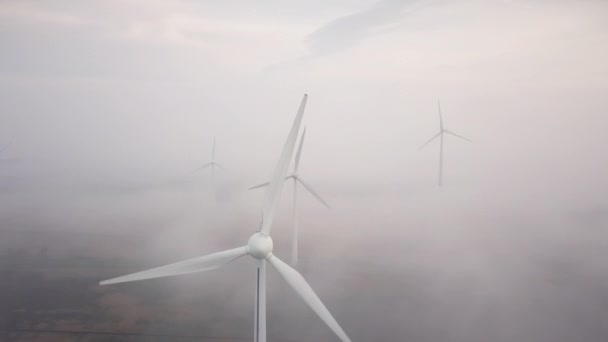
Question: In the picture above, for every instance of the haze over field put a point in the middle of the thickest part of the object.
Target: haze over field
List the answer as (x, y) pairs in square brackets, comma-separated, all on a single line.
[(108, 106)]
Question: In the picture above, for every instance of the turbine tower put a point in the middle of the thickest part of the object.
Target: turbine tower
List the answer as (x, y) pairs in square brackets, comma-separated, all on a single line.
[(440, 135), (260, 247), (213, 164), (297, 179)]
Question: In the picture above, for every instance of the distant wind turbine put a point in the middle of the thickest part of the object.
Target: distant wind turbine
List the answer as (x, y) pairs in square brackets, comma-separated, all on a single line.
[(213, 164), (439, 135), (297, 179), (260, 247)]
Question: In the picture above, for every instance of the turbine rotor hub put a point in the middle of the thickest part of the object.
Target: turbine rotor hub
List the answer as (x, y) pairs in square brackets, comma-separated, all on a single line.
[(260, 246)]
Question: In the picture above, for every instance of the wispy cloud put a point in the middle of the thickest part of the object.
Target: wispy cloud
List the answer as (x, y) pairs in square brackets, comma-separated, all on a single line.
[(349, 30), (24, 12)]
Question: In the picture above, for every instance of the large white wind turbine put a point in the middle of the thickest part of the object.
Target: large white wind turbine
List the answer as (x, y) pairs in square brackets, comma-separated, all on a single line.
[(259, 247), (213, 164), (297, 179), (439, 135)]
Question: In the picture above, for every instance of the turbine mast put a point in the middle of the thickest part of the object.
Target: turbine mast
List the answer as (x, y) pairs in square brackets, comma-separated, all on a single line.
[(440, 116), (441, 131), (441, 159), (213, 159), (294, 241), (213, 150), (260, 303)]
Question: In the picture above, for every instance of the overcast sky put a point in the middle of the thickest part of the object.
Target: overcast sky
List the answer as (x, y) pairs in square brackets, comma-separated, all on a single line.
[(108, 106)]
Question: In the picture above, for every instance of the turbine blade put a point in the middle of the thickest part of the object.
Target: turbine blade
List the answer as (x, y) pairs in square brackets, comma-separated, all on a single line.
[(220, 166), (267, 183), (203, 166), (273, 193), (299, 284), (199, 264), (259, 186), (430, 140), (312, 191), (295, 170), (458, 136)]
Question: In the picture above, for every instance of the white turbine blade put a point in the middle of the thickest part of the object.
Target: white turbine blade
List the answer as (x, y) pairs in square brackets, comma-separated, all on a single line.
[(273, 195), (199, 264), (218, 165), (267, 183), (312, 191), (259, 186), (458, 136), (299, 284), (430, 140), (203, 166), (295, 169)]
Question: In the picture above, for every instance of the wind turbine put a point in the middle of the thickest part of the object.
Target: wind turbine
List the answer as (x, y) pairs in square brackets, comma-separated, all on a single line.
[(213, 164), (296, 179), (439, 135), (260, 247)]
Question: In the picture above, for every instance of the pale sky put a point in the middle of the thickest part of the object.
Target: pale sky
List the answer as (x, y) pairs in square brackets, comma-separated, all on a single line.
[(109, 105)]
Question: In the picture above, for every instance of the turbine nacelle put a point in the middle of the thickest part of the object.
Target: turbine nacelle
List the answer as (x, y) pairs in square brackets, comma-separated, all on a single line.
[(260, 246)]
